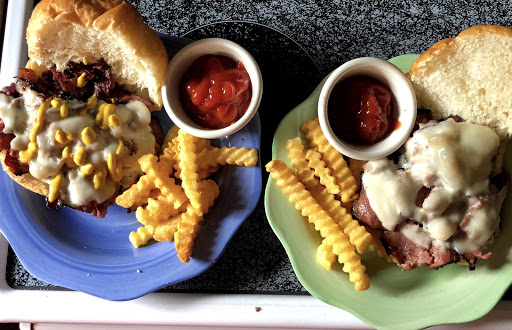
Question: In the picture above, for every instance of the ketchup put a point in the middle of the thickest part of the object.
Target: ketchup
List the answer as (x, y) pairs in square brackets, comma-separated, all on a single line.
[(360, 110), (216, 91)]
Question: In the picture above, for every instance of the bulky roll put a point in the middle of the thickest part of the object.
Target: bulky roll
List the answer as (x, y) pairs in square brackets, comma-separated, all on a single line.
[(469, 76), (60, 31), (108, 32)]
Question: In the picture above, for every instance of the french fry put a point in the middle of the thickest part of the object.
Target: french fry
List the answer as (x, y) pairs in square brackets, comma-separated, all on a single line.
[(137, 192), (141, 236), (332, 158), (226, 155), (165, 231), (299, 162), (377, 246), (356, 233), (158, 210), (186, 231), (324, 224), (322, 171), (356, 168), (187, 158), (324, 255), (158, 173), (170, 135), (167, 210)]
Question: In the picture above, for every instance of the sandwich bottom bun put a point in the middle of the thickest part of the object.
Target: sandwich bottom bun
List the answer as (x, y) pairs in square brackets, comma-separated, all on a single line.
[(26, 180)]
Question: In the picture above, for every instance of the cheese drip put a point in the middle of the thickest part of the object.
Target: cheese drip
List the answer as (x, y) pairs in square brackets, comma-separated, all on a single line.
[(453, 160), (81, 158)]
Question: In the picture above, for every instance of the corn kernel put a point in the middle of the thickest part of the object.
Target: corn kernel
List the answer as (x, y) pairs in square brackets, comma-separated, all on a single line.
[(54, 187), (88, 136), (99, 179), (29, 154), (80, 157), (92, 102), (81, 82), (63, 137), (64, 110), (114, 120), (87, 169), (120, 149)]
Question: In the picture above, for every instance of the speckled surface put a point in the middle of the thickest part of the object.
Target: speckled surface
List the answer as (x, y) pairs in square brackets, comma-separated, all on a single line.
[(296, 44)]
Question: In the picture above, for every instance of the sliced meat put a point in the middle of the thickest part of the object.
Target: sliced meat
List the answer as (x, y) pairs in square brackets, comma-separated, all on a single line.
[(12, 159), (408, 255), (422, 195), (10, 90), (98, 209), (364, 212)]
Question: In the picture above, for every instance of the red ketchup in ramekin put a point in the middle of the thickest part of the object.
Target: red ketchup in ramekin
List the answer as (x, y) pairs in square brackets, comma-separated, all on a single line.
[(215, 91), (360, 110)]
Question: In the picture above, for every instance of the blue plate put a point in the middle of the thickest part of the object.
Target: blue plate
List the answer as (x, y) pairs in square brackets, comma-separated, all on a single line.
[(77, 251)]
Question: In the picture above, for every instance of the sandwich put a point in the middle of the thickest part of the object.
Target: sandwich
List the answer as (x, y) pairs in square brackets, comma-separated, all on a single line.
[(79, 115), (437, 200)]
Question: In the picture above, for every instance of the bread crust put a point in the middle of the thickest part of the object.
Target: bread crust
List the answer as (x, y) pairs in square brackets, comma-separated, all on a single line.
[(469, 32), (114, 19), (473, 64), (25, 180)]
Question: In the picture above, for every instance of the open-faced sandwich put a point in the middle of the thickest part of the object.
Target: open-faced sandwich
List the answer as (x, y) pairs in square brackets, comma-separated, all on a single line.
[(79, 115), (437, 200)]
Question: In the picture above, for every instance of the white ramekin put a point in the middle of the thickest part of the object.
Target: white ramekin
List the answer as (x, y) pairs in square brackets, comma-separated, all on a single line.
[(182, 61), (404, 107)]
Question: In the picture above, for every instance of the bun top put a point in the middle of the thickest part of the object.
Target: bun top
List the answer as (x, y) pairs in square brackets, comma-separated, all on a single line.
[(60, 31), (469, 76)]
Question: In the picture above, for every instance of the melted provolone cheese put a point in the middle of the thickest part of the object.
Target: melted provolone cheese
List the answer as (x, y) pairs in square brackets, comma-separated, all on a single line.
[(453, 160), (87, 159)]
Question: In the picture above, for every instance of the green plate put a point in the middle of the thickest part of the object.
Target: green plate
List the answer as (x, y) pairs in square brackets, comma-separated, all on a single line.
[(396, 299)]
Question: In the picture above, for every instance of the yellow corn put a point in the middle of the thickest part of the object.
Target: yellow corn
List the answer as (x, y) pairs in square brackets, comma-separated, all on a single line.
[(80, 157), (87, 169), (56, 102), (92, 102), (115, 168), (54, 187), (88, 136), (64, 110), (63, 137), (29, 154), (114, 120), (99, 179), (81, 82), (104, 112), (120, 149)]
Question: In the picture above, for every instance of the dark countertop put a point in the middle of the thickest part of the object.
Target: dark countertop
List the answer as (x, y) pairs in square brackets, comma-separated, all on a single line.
[(296, 44)]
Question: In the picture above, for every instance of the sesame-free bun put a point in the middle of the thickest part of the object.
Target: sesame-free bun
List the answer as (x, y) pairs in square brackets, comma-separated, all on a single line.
[(60, 31), (26, 180), (469, 76)]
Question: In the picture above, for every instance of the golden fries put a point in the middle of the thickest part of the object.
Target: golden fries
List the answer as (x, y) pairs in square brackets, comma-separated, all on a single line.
[(167, 209), (332, 158), (328, 228), (323, 187)]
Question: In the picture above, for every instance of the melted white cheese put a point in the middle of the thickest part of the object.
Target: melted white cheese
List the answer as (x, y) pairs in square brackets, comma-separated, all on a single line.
[(454, 160), (19, 116)]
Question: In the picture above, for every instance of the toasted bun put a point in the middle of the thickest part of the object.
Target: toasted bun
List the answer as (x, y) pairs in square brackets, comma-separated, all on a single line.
[(60, 31), (25, 180), (469, 76)]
